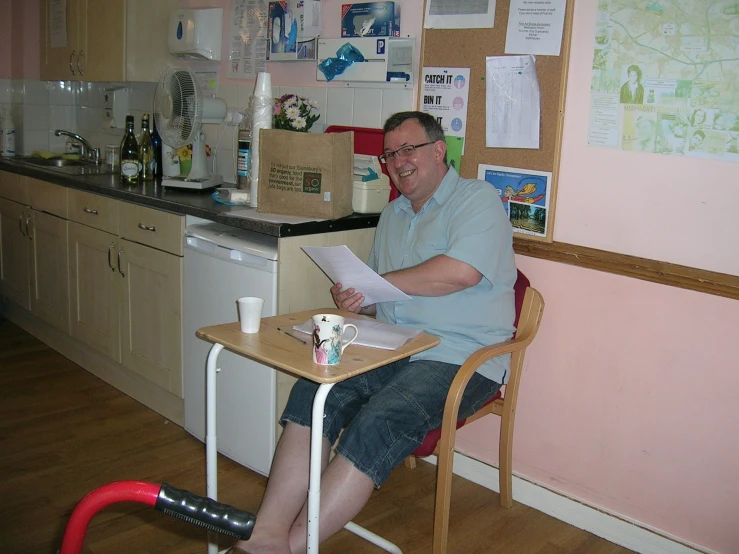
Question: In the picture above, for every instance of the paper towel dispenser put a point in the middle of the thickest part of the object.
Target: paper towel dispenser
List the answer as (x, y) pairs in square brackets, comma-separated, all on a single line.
[(196, 34)]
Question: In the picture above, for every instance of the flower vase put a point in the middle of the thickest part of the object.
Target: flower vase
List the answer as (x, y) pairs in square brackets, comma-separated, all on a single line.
[(185, 167)]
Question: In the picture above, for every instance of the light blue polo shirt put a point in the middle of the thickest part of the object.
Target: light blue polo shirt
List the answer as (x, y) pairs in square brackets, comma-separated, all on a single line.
[(464, 220)]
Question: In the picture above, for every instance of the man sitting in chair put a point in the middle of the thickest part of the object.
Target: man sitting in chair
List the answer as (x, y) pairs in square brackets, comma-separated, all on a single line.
[(447, 243)]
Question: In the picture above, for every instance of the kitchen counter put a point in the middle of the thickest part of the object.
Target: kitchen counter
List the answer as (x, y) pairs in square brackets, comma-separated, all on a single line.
[(185, 202)]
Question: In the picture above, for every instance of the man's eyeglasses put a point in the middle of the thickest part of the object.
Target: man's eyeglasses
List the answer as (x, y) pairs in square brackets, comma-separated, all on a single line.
[(403, 151)]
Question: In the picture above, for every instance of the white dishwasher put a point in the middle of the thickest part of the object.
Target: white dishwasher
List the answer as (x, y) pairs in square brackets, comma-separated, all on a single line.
[(222, 264)]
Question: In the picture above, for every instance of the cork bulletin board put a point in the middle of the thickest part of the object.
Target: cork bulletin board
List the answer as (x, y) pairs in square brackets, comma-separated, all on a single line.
[(469, 48)]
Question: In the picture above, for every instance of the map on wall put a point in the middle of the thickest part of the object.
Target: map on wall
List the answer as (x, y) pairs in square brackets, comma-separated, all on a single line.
[(665, 77)]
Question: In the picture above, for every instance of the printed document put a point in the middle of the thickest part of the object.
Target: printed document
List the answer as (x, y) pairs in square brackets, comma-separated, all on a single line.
[(459, 14), (375, 334), (535, 27), (342, 266), (512, 103)]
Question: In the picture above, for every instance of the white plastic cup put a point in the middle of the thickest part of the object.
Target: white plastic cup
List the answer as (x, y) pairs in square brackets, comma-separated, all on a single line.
[(250, 313), (264, 85)]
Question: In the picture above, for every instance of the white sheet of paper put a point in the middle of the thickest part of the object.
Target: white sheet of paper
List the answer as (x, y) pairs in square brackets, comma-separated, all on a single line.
[(375, 334), (459, 14), (535, 27), (58, 23), (512, 102), (342, 266)]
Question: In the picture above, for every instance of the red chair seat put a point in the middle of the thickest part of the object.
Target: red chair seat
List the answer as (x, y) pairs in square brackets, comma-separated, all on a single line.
[(432, 437)]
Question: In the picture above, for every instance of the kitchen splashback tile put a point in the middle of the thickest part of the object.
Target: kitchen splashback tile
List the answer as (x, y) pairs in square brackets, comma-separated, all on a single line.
[(33, 92), (62, 93)]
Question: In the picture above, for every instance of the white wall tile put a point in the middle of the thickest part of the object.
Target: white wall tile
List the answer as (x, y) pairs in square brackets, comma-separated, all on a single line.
[(230, 94), (61, 117), (56, 144), (320, 95), (6, 91), (141, 97), (33, 92), (34, 140), (62, 93), (225, 164), (340, 106), (35, 118), (367, 108), (243, 94), (394, 101)]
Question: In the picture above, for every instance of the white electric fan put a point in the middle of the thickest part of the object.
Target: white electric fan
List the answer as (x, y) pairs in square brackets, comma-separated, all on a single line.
[(179, 110)]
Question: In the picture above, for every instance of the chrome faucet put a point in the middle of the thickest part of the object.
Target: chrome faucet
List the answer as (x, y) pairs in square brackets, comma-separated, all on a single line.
[(88, 152)]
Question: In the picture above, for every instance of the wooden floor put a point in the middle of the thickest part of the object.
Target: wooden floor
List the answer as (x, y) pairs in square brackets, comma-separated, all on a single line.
[(63, 432)]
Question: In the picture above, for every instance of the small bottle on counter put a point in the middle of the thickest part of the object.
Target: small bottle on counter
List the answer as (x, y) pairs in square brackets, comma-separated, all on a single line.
[(146, 151), (156, 142), (129, 154), (243, 166)]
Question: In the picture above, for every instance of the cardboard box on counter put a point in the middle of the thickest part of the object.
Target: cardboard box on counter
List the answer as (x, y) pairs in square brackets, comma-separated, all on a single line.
[(305, 174), (370, 19)]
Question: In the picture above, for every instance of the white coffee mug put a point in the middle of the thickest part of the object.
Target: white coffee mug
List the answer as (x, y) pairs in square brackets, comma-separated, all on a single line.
[(328, 334)]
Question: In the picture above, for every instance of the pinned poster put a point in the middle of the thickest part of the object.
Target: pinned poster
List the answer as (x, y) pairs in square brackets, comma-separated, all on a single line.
[(445, 94)]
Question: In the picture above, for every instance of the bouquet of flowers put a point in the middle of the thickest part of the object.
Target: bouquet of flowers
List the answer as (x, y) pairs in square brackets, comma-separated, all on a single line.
[(295, 113), (185, 152)]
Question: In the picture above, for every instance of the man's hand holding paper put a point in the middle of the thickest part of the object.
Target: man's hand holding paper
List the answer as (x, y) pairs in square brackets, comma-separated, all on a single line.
[(342, 266)]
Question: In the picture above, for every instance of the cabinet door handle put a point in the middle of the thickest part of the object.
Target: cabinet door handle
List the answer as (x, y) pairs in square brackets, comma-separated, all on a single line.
[(89, 211), (110, 263), (20, 224), (145, 228), (70, 63), (119, 263), (27, 233), (78, 62)]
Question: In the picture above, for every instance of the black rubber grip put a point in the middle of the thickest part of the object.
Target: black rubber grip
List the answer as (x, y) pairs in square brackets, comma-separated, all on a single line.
[(204, 512)]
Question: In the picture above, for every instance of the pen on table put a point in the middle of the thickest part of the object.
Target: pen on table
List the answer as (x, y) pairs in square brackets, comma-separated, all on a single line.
[(291, 335)]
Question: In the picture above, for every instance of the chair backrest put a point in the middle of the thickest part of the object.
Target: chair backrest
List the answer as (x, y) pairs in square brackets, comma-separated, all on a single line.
[(519, 290)]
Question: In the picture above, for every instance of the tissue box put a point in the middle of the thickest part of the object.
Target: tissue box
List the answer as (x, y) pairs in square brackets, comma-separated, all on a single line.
[(303, 19), (305, 174), (370, 197), (370, 19)]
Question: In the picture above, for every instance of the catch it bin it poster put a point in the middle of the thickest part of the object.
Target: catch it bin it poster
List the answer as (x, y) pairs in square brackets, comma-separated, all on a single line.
[(525, 194)]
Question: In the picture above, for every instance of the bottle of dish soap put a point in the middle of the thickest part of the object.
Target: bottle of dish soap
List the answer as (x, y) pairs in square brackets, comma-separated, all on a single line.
[(7, 148)]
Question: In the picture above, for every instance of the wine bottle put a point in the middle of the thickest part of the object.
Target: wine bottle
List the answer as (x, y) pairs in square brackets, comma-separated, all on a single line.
[(146, 151), (129, 154), (156, 141)]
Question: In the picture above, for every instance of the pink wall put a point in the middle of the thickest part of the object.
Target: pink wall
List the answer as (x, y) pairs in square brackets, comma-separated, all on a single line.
[(19, 26), (628, 402), (6, 25)]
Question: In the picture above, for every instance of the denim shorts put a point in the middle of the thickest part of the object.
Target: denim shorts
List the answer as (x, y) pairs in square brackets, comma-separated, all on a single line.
[(386, 412)]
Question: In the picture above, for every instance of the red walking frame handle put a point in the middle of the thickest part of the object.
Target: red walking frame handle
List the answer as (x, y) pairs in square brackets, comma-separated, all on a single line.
[(178, 503)]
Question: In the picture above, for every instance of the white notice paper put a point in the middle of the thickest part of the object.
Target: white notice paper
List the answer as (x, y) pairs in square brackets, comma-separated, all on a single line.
[(512, 103), (459, 14), (248, 41), (535, 27), (342, 266), (58, 23)]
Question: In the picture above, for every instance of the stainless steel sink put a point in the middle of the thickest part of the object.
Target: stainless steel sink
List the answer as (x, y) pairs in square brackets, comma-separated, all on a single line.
[(61, 165), (55, 162)]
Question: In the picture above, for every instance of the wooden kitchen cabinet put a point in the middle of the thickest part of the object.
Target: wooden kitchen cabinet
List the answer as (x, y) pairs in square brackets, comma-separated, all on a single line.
[(151, 315), (108, 40), (48, 269), (93, 289), (15, 247)]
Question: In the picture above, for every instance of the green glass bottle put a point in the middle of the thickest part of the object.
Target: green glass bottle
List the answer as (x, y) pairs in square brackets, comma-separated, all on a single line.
[(147, 161), (129, 154)]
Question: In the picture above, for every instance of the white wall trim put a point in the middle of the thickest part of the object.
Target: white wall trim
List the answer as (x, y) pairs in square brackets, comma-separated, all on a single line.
[(614, 528)]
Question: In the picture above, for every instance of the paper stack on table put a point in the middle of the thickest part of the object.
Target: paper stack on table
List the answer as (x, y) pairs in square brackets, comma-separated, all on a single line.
[(376, 334)]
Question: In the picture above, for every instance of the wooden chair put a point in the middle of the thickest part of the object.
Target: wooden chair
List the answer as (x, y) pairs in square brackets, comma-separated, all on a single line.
[(529, 309)]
